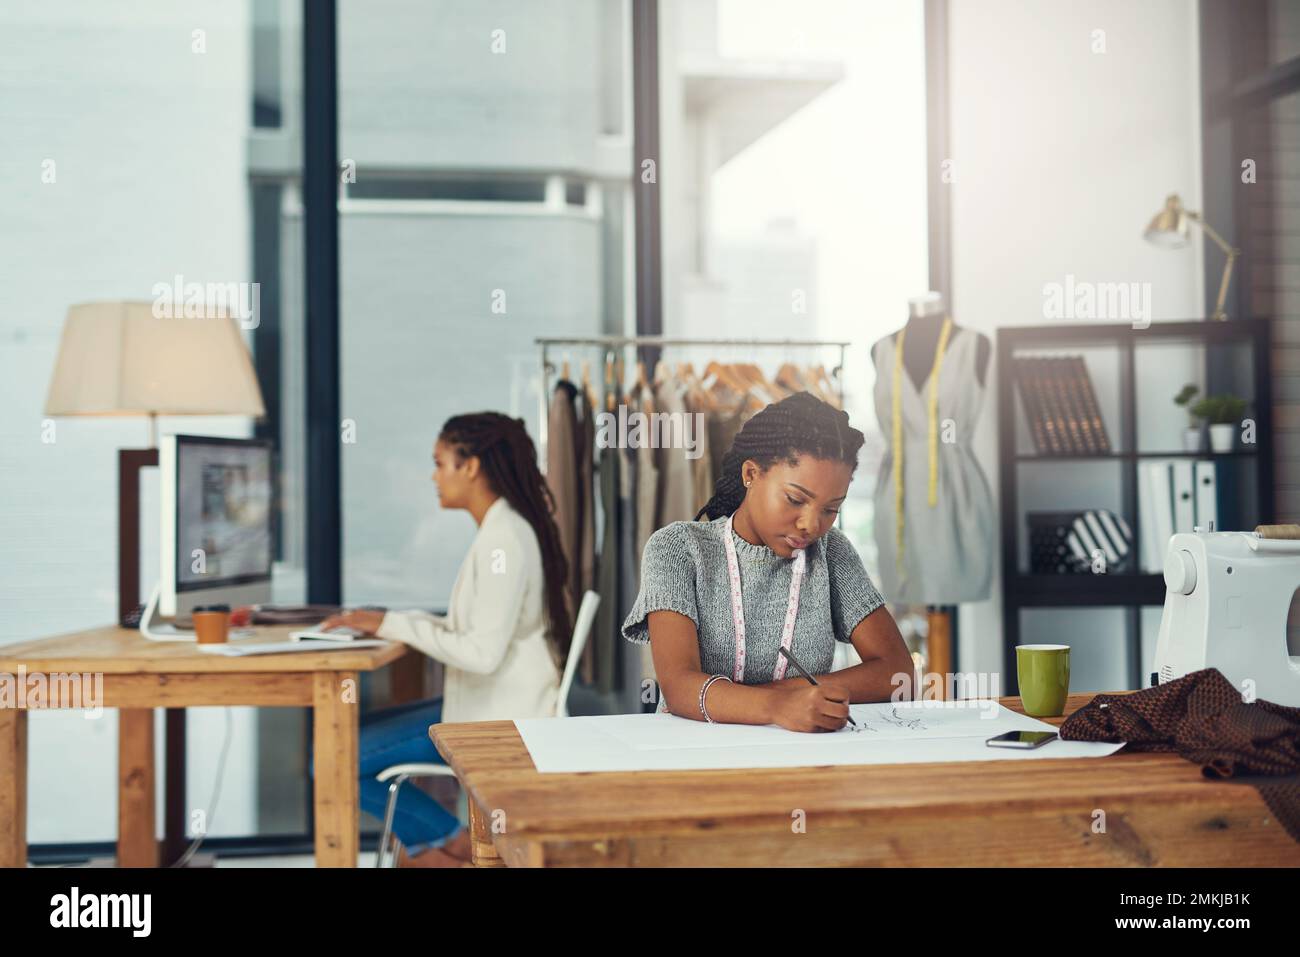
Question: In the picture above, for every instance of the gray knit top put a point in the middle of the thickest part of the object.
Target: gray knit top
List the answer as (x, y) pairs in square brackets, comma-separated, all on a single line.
[(684, 569)]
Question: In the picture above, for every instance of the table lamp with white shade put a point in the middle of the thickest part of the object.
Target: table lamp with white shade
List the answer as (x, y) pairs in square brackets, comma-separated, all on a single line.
[(119, 359)]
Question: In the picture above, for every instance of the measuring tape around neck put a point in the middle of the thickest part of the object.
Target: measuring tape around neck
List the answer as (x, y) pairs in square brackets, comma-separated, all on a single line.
[(738, 608)]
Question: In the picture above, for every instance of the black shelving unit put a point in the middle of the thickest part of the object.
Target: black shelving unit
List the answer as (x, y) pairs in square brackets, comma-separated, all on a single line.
[(1133, 589)]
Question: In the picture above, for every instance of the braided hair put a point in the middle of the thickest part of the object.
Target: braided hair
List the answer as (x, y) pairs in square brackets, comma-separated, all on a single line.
[(798, 423), (508, 459)]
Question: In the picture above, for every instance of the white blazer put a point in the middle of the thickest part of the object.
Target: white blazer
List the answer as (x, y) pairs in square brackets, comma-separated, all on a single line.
[(493, 638)]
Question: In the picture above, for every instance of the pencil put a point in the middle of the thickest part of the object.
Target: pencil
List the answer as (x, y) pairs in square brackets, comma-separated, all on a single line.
[(800, 668)]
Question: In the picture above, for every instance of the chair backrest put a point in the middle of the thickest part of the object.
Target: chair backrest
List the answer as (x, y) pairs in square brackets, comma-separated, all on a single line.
[(581, 629)]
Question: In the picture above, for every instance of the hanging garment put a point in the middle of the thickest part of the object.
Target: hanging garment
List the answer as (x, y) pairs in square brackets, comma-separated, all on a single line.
[(676, 483), (629, 560), (647, 487), (562, 477), (642, 459), (723, 427), (604, 637), (702, 465), (586, 443), (941, 552), (589, 532)]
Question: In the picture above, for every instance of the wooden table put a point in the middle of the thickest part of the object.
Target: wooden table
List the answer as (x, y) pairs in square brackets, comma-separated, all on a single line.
[(1158, 811), (139, 675)]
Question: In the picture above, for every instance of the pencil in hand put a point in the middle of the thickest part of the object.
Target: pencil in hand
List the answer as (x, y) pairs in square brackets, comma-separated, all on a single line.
[(803, 671)]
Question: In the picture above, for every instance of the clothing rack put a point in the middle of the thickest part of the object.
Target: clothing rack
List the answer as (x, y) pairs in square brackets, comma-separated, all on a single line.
[(611, 344)]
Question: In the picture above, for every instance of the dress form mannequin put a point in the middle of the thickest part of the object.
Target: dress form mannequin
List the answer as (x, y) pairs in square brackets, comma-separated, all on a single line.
[(934, 525)]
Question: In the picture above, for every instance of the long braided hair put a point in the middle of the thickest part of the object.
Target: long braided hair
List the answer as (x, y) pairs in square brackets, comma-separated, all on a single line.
[(799, 423), (508, 459)]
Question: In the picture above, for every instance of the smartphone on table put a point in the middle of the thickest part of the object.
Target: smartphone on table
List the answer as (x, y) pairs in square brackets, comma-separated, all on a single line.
[(1021, 739)]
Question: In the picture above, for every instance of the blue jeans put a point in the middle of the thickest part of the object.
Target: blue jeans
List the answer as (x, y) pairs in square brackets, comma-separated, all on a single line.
[(400, 735)]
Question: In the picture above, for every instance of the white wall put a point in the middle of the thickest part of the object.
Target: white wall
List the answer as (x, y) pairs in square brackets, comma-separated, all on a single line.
[(1061, 156), (146, 138)]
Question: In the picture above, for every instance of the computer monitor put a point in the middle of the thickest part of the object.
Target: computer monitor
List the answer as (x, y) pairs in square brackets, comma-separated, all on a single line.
[(218, 514)]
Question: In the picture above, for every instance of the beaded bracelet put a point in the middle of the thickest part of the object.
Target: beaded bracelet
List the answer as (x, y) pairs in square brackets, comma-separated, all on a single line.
[(703, 710)]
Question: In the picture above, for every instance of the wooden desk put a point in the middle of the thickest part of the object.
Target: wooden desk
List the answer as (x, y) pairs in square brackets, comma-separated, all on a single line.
[(1159, 811), (139, 675)]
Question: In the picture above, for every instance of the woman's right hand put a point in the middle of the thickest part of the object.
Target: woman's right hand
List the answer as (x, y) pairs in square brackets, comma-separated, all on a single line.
[(822, 707), (364, 620)]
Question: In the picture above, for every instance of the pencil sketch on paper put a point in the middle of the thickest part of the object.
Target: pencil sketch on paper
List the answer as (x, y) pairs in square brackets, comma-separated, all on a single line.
[(882, 720)]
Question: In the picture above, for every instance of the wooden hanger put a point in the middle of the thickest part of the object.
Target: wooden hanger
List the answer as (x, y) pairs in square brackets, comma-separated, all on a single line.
[(644, 391), (759, 386), (790, 378), (727, 375), (609, 382), (697, 394), (587, 391), (829, 393)]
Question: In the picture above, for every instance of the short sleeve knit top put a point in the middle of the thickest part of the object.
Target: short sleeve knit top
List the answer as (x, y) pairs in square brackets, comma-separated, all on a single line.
[(684, 569)]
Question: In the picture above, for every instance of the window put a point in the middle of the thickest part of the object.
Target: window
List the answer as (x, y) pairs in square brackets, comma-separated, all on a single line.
[(778, 124)]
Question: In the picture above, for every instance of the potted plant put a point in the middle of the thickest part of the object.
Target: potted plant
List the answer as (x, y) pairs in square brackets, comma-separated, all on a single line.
[(1223, 413), (1191, 434)]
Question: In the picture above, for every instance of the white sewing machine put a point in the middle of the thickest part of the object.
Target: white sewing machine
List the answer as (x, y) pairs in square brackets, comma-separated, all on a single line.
[(1226, 606)]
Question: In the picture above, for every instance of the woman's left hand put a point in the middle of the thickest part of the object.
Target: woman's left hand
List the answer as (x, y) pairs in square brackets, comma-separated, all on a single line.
[(366, 622)]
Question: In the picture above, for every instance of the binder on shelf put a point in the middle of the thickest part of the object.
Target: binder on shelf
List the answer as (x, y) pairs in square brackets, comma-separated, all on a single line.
[(1207, 495), (1151, 557), (1184, 489), (1158, 477)]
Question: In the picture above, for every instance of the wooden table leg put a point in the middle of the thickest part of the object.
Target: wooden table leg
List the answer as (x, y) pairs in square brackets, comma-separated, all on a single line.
[(483, 852), (137, 837), (337, 765), (13, 787), (174, 840)]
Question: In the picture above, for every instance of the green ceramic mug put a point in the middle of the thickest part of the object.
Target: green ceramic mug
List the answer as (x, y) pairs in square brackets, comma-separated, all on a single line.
[(1044, 675)]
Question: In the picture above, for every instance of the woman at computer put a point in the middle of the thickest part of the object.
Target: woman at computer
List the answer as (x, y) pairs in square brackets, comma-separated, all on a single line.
[(503, 640)]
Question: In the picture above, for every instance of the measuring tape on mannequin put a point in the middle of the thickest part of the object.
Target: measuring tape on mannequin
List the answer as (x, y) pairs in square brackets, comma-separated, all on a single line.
[(933, 436)]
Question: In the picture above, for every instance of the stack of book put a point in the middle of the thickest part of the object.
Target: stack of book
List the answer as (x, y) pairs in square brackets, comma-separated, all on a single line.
[(1060, 405)]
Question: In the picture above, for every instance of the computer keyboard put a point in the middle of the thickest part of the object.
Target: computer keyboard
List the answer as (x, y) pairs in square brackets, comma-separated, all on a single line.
[(339, 633), (288, 647)]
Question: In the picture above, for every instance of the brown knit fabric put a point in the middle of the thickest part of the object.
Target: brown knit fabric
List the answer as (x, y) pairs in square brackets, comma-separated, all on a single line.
[(1202, 717)]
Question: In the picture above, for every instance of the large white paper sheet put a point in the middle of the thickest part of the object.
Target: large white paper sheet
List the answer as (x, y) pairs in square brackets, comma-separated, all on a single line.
[(662, 742), (901, 720)]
